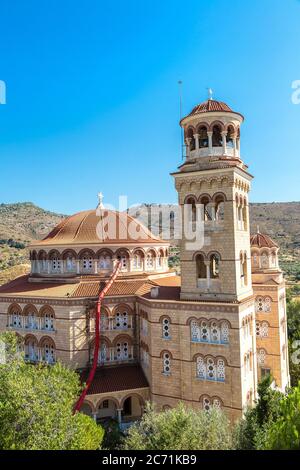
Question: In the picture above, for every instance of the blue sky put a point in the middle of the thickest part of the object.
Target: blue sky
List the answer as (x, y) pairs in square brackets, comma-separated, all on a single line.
[(92, 95)]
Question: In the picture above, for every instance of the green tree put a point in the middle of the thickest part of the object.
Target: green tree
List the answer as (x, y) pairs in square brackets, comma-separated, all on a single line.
[(251, 430), (293, 320), (284, 434), (36, 405), (180, 428)]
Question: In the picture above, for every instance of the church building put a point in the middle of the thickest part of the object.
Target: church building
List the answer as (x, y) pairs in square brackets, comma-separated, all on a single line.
[(205, 337)]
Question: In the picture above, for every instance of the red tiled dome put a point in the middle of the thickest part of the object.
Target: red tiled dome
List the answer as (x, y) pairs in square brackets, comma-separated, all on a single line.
[(81, 228), (211, 106), (262, 241)]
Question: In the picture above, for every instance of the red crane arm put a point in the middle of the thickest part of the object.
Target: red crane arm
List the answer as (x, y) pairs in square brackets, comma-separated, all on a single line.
[(91, 375)]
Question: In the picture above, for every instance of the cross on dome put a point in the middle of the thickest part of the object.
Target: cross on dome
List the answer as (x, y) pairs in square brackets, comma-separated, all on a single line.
[(210, 93), (100, 199)]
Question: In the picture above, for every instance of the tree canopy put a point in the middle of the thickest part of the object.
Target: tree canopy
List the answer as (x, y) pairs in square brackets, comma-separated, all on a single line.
[(180, 428), (36, 406)]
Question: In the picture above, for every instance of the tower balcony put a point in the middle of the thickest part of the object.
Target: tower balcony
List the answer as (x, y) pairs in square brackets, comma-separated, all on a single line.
[(212, 152)]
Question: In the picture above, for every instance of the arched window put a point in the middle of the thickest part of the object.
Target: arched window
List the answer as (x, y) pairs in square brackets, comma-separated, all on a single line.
[(265, 259), (214, 264), (243, 269), (137, 261), (209, 332), (267, 307), (208, 208), (150, 261), (48, 321), (87, 263), (220, 370), (264, 329), (204, 332), (201, 368), (48, 352), (217, 140), (70, 262), (43, 262), (263, 304), (31, 320), (210, 369), (31, 350), (230, 137), (104, 262), (259, 304), (224, 332), (245, 215), (103, 355), (203, 137), (121, 321), (214, 332), (209, 403), (219, 207), (104, 322), (15, 319), (261, 357), (123, 351), (166, 363), (206, 404), (191, 139), (195, 331), (166, 328), (55, 263), (192, 210), (201, 267), (123, 257)]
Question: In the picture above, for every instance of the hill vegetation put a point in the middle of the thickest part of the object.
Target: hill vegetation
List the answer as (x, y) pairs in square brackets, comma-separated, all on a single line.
[(22, 223)]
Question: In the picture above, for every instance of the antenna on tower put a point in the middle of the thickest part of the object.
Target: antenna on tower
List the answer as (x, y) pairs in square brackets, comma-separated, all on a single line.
[(180, 116)]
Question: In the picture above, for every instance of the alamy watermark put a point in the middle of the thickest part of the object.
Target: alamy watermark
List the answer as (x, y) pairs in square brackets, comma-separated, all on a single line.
[(167, 221), (2, 92), (296, 93)]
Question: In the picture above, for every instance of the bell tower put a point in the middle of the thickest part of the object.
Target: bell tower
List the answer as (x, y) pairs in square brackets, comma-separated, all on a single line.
[(213, 187)]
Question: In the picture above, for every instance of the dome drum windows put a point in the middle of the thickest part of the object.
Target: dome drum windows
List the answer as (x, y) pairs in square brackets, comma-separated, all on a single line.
[(55, 263), (87, 262), (105, 262), (213, 332), (150, 261), (138, 261), (69, 262), (210, 369)]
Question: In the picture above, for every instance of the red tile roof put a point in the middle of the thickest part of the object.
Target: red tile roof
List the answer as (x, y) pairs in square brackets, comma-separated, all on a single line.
[(87, 228), (262, 241), (114, 379), (210, 106)]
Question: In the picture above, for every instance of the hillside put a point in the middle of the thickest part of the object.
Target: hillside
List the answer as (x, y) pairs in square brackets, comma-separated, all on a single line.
[(21, 223)]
